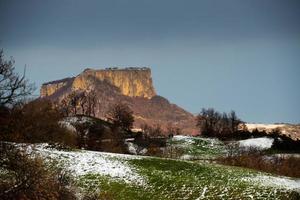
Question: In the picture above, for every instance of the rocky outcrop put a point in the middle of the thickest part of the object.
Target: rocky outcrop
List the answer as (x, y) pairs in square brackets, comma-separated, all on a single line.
[(132, 86), (132, 82), (51, 88)]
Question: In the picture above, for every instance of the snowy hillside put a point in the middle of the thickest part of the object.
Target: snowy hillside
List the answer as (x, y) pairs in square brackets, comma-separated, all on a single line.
[(258, 143), (84, 162), (137, 177)]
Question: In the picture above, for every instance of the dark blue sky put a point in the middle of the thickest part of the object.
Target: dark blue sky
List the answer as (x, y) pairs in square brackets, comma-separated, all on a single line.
[(241, 55)]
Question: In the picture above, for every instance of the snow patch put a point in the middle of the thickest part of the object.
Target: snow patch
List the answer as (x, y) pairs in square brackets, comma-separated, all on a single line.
[(259, 143), (186, 157), (135, 149), (69, 122), (132, 148), (90, 162), (279, 182), (186, 139)]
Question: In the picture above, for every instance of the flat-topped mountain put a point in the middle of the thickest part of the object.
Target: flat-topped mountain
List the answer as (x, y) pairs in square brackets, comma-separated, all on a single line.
[(132, 86), (133, 82)]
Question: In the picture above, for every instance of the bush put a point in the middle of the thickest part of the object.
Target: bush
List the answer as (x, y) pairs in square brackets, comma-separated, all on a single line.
[(26, 177), (152, 131), (36, 121), (154, 150)]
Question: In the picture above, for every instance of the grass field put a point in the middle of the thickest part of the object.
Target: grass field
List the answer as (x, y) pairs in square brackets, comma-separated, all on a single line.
[(194, 148), (117, 176)]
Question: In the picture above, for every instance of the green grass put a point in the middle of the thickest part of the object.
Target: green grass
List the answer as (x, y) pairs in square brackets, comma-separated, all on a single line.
[(199, 148), (169, 179), (116, 189), (173, 179)]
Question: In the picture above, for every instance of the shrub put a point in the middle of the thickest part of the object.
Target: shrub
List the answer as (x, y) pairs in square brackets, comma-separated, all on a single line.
[(27, 177), (36, 121), (152, 131)]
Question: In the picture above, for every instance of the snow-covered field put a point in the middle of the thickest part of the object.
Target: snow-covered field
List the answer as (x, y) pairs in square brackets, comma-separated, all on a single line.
[(164, 178)]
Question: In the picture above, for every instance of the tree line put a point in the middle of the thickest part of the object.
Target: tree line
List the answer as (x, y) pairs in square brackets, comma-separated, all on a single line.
[(215, 124), (80, 102)]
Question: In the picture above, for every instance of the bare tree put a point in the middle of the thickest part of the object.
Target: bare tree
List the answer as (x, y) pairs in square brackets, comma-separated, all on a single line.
[(156, 130), (121, 116), (73, 100), (234, 121), (213, 123), (173, 130), (146, 129), (83, 102), (207, 121), (82, 99), (91, 103), (12, 85), (65, 107)]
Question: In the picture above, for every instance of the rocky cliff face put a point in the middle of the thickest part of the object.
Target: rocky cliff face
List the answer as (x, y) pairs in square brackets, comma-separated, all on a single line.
[(51, 88), (132, 82), (132, 86)]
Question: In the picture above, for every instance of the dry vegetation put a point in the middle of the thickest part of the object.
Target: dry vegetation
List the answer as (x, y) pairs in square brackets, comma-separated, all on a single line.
[(26, 177), (36, 121), (255, 159)]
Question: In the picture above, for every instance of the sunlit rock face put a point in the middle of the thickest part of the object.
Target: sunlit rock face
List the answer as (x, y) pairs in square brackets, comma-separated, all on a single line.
[(132, 82), (132, 86), (51, 88)]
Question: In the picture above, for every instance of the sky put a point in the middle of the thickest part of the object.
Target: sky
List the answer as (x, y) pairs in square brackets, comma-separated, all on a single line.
[(229, 55)]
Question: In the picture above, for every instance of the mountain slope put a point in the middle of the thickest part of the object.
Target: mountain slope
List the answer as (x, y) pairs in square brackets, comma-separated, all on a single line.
[(132, 86)]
